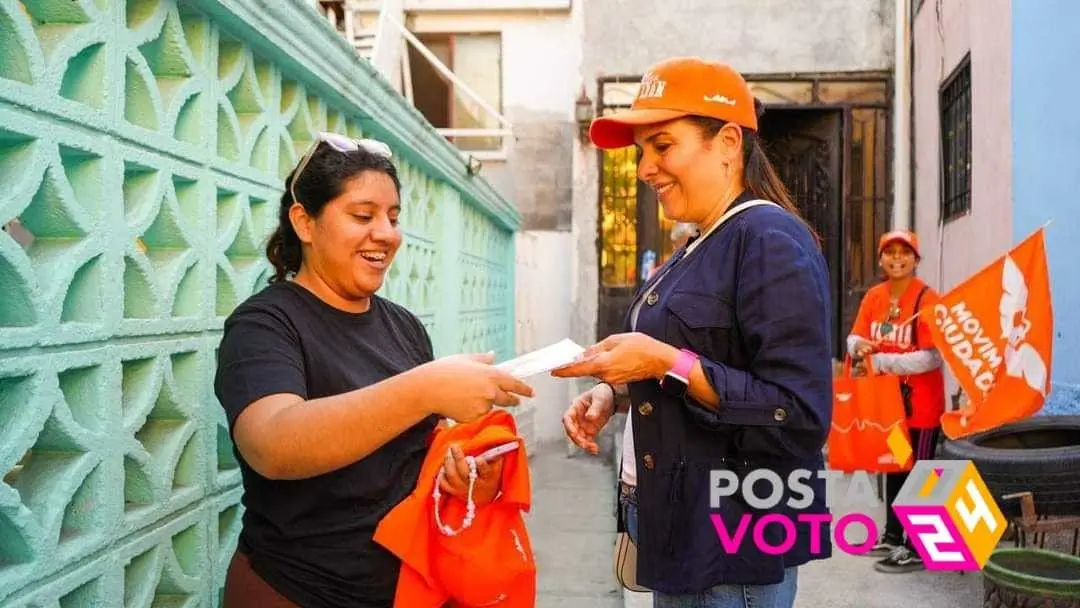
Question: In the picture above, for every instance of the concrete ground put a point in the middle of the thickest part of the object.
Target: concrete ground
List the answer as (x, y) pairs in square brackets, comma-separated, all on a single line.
[(572, 528), (847, 581)]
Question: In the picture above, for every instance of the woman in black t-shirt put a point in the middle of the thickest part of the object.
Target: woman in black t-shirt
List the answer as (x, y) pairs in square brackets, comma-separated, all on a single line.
[(331, 392)]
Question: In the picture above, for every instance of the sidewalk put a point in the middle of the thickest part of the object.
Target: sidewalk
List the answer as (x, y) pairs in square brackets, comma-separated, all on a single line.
[(847, 581), (572, 529)]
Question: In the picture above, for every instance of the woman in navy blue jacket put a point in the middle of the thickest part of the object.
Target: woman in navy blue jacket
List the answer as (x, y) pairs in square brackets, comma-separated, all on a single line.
[(725, 363)]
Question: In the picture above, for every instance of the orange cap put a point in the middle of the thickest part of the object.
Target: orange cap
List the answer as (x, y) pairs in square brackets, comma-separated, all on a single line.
[(678, 87), (902, 236)]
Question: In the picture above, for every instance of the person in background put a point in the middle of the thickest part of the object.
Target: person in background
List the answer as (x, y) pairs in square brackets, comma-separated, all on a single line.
[(718, 368), (888, 332), (682, 232), (331, 393)]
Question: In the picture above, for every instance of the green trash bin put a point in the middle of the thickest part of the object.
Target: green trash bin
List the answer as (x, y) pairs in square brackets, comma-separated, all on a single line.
[(1030, 578)]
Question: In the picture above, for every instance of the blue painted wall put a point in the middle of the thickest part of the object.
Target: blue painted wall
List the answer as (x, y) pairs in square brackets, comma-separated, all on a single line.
[(1046, 154)]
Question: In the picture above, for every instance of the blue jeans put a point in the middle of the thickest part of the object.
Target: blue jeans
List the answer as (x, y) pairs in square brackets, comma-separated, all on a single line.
[(629, 515), (780, 595)]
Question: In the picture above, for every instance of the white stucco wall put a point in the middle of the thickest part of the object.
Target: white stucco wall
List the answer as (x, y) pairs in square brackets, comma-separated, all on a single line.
[(540, 53), (541, 299), (539, 56), (981, 27)]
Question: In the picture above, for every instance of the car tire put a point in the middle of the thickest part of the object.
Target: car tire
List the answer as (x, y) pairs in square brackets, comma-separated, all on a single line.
[(1040, 455), (1031, 578)]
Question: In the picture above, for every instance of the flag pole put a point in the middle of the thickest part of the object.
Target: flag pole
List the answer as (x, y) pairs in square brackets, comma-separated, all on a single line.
[(902, 324)]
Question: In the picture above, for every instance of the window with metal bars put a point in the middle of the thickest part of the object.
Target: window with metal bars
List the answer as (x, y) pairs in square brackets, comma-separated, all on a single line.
[(955, 104)]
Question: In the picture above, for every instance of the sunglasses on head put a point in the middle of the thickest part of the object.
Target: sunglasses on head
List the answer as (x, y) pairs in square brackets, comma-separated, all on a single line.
[(342, 144)]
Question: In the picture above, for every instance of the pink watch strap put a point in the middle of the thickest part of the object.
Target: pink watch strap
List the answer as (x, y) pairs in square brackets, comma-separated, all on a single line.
[(684, 364)]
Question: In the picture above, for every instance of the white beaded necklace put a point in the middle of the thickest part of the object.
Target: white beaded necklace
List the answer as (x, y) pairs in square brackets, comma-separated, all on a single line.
[(470, 505)]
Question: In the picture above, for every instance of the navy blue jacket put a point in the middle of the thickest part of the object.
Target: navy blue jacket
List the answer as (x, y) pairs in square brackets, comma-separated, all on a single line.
[(753, 302)]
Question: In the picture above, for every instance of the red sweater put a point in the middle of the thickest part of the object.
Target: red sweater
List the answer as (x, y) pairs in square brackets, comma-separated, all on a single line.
[(928, 389)]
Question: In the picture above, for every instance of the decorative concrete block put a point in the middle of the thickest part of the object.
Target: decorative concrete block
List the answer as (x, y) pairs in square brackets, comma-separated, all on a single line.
[(143, 145)]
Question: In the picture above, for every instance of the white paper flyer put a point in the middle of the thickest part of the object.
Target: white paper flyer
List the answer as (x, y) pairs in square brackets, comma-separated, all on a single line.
[(543, 360)]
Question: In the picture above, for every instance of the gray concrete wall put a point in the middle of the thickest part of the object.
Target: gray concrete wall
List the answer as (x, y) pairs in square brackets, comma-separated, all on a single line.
[(755, 36), (537, 173), (541, 169)]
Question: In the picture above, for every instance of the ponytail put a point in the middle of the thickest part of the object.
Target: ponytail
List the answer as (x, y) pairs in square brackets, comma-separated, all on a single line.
[(759, 175), (283, 249), (764, 182)]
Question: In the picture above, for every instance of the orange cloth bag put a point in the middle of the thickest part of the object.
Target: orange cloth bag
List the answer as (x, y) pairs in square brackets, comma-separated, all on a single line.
[(869, 424), (488, 563)]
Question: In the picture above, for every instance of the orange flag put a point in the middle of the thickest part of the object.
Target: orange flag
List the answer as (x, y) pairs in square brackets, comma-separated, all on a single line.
[(995, 331)]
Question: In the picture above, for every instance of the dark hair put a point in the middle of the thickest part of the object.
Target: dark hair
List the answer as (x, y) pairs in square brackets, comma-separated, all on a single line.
[(760, 176), (323, 180)]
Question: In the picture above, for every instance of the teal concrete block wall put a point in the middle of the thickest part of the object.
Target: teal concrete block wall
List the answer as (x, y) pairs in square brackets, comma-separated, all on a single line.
[(142, 149)]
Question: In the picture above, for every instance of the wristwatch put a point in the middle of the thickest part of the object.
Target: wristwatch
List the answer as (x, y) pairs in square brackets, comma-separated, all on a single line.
[(617, 398), (677, 379)]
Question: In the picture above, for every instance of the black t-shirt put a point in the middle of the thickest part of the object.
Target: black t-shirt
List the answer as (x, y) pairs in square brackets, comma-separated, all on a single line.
[(312, 539)]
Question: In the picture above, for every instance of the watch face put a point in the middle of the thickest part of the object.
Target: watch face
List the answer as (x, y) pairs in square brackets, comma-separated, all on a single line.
[(673, 385)]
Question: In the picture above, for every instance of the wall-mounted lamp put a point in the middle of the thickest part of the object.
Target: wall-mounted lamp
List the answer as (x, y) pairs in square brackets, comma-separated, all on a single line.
[(584, 113), (473, 165)]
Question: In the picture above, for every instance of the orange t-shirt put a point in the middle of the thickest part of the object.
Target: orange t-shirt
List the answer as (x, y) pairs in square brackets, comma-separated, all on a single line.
[(927, 389), (490, 563)]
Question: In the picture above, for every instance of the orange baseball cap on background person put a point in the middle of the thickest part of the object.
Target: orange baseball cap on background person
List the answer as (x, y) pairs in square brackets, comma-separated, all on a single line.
[(676, 88), (899, 236)]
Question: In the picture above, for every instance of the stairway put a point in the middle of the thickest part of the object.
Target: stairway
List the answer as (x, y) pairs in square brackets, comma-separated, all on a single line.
[(357, 20), (365, 19)]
